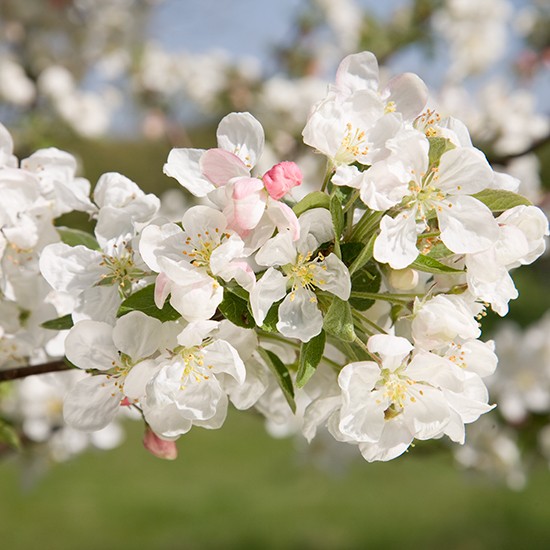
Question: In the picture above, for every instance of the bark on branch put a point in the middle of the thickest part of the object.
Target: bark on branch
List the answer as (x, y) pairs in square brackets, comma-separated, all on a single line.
[(23, 372)]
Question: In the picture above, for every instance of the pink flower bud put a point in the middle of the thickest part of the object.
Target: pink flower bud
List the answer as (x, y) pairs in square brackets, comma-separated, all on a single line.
[(282, 178), (159, 447)]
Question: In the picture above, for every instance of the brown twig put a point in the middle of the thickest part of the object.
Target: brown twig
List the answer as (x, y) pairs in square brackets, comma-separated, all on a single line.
[(23, 372)]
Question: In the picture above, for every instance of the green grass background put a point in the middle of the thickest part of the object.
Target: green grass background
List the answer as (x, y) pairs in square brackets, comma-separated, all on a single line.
[(239, 488)]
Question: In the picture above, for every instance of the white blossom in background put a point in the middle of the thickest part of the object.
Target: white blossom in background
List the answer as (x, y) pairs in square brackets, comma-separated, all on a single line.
[(522, 383), (475, 32), (15, 86)]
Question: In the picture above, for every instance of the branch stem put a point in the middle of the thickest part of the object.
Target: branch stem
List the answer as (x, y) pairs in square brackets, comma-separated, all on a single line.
[(22, 372)]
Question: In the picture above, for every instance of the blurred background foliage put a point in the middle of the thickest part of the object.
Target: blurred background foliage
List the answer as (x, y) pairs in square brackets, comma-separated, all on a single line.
[(238, 488)]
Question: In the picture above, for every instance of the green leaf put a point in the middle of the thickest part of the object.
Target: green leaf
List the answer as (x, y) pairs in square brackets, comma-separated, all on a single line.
[(438, 146), (272, 318), (431, 265), (364, 256), (338, 321), (317, 199), (74, 237), (439, 251), (365, 280), (235, 309), (9, 435), (311, 354), (282, 375), (350, 251), (337, 215), (144, 300), (61, 323), (238, 290), (498, 200)]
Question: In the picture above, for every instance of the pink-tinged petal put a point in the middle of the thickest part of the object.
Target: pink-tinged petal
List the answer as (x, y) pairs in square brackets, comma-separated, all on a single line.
[(357, 72), (243, 135), (409, 93), (248, 203), (284, 218), (280, 179), (183, 165), (161, 448), (219, 166), (162, 289), (467, 225)]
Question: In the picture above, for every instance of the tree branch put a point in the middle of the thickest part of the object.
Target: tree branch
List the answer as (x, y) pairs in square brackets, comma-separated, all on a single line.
[(23, 372)]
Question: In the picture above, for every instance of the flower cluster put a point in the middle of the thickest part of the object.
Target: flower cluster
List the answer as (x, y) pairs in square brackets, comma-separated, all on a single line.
[(354, 310)]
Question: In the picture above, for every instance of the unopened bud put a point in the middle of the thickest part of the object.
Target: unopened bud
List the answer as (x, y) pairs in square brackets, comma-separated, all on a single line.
[(161, 448), (282, 178), (403, 279)]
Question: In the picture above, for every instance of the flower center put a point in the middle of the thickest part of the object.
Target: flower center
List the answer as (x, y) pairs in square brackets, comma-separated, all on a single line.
[(194, 369), (199, 247), (120, 270), (397, 389), (354, 144), (305, 274)]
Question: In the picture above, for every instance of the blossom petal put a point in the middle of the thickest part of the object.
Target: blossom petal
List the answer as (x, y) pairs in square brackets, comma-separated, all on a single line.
[(409, 93), (89, 345), (219, 166), (396, 243), (357, 71), (184, 166), (467, 225), (299, 316), (268, 290), (137, 335), (242, 135), (91, 404), (394, 441)]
